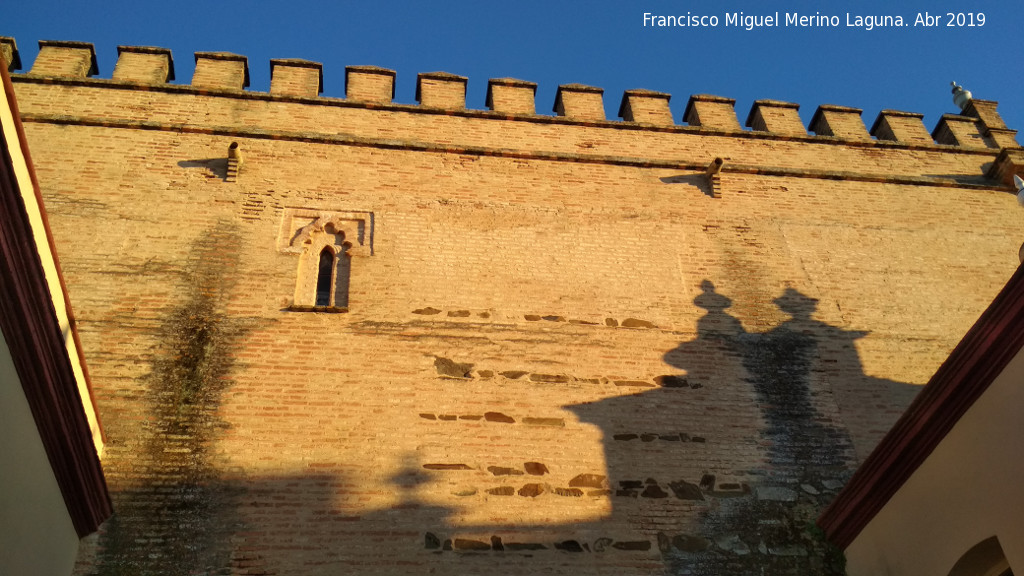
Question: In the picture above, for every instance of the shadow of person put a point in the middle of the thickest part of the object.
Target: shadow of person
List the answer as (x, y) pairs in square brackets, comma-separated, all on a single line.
[(810, 385), (781, 364), (673, 450), (745, 444), (718, 336), (804, 455), (826, 356)]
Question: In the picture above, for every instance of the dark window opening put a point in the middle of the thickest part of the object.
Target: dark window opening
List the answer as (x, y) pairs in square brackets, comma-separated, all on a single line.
[(324, 284)]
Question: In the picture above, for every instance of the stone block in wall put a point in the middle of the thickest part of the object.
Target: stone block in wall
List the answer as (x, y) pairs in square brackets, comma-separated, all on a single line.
[(897, 126), (221, 71), (441, 90), (144, 64), (1002, 137), (369, 84), (1008, 164), (985, 110), (993, 126), (68, 59), (295, 77), (776, 117), (710, 111), (839, 122), (9, 53), (580, 102), (646, 106), (511, 96), (355, 226), (960, 130)]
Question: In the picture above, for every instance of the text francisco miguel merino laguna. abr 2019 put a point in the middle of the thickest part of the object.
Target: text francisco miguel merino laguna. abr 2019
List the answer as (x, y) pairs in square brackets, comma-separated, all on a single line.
[(816, 20)]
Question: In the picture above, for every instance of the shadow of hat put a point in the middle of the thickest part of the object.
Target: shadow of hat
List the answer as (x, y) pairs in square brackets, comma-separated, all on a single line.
[(795, 303), (708, 299)]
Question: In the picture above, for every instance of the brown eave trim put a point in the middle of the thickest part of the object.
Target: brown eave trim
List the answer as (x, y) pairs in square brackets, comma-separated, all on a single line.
[(28, 320), (979, 358)]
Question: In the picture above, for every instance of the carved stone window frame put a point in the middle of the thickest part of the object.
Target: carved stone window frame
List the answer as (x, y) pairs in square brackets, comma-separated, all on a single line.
[(306, 233)]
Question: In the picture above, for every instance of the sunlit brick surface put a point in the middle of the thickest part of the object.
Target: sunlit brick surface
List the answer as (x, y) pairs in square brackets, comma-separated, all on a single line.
[(560, 354)]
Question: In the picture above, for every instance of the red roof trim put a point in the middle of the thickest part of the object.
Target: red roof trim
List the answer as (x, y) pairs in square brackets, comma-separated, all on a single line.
[(979, 358), (37, 346)]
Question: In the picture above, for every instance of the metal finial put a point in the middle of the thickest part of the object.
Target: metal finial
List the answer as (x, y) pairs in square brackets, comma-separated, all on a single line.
[(960, 96)]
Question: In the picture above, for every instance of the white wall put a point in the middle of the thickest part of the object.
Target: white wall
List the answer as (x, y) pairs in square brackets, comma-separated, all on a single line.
[(36, 533), (970, 488)]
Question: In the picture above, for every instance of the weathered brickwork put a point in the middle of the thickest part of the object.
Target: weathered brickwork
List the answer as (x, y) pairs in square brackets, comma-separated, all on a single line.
[(546, 348), (841, 121)]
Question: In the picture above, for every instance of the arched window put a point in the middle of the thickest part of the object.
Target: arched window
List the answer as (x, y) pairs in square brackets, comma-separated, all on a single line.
[(323, 275), (324, 247), (325, 278)]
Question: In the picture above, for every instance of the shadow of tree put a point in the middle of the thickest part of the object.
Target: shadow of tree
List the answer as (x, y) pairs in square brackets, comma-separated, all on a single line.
[(719, 467), (173, 488)]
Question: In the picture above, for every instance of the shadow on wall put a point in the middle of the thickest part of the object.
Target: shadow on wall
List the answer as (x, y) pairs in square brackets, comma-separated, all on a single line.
[(699, 181), (751, 441), (212, 167), (721, 469), (173, 488)]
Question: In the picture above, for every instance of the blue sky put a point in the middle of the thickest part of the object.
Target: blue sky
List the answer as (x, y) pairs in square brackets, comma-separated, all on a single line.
[(601, 43)]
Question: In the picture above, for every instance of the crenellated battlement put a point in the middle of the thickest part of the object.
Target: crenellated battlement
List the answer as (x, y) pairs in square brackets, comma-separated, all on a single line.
[(144, 64), (222, 73), (295, 77)]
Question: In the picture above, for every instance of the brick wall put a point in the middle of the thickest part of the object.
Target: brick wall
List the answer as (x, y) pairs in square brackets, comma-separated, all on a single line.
[(560, 355)]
